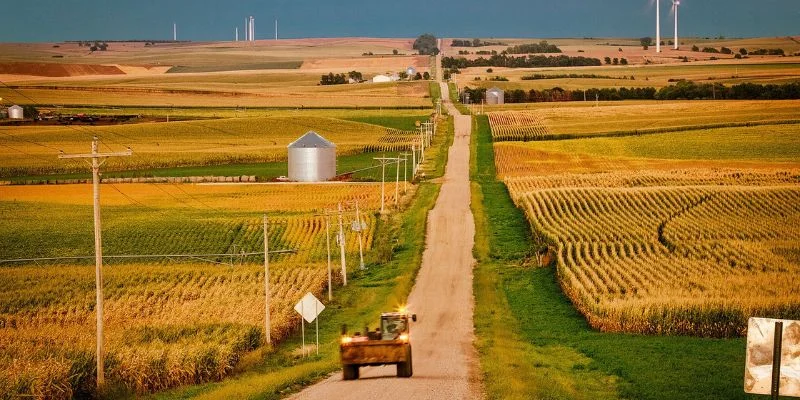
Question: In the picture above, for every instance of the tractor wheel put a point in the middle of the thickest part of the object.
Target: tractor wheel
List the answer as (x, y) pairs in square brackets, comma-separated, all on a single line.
[(406, 369), (350, 372)]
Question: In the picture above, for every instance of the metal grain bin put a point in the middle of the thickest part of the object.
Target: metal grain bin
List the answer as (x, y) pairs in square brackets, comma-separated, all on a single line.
[(15, 112), (312, 158), (495, 95)]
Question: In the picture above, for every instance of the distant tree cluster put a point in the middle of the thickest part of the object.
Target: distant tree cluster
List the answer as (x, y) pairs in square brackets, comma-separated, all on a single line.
[(340, 79), (531, 61), (426, 45), (768, 52), (474, 43), (683, 90), (744, 91), (616, 61), (541, 47), (534, 77)]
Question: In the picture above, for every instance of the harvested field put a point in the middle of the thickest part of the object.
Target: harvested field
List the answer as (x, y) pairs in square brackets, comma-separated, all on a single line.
[(58, 70)]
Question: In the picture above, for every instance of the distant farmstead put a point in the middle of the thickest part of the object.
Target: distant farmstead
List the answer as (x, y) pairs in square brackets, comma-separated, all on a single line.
[(381, 79), (312, 158), (495, 95)]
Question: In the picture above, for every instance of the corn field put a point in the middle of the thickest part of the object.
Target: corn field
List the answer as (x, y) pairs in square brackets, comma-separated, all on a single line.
[(169, 320), (671, 252), (517, 126)]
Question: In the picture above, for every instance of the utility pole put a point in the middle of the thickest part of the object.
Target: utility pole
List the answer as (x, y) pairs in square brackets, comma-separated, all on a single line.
[(397, 181), (341, 247), (413, 160), (98, 243), (328, 246), (405, 171), (360, 240), (267, 294), (384, 161)]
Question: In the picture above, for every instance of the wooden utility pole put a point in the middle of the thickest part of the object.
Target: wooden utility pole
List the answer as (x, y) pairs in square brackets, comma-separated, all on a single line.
[(384, 161), (328, 246), (405, 171), (267, 294), (360, 228), (341, 247), (98, 243)]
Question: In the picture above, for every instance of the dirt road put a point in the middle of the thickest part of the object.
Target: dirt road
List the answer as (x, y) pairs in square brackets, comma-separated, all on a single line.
[(445, 363)]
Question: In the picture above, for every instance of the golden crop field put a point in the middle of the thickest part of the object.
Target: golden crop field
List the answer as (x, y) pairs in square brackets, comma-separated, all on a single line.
[(32, 150), (169, 321), (683, 232), (695, 260), (579, 119)]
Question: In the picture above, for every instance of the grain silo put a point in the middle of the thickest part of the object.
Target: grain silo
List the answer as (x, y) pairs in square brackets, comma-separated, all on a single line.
[(15, 112), (312, 158), (495, 95)]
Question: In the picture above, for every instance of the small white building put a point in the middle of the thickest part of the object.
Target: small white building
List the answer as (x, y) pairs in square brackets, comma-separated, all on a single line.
[(395, 77), (15, 112), (312, 158), (495, 95), (381, 79)]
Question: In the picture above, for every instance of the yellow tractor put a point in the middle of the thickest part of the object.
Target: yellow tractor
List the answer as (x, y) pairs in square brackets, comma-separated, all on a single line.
[(388, 344)]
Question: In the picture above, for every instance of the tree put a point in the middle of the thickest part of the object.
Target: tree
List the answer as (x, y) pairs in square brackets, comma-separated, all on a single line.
[(743, 51), (646, 41), (489, 70), (426, 45), (695, 48), (395, 52), (624, 62), (476, 42), (616, 61), (608, 60), (426, 75)]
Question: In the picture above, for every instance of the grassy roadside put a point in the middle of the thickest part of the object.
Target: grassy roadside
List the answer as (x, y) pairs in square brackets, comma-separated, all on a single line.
[(456, 102), (556, 354), (503, 242), (382, 286)]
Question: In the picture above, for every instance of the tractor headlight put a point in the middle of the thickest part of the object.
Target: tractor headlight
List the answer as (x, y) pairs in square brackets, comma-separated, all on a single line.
[(347, 339), (404, 337)]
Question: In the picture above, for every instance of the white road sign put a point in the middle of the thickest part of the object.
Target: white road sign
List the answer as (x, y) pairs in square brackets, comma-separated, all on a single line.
[(309, 307), (760, 341)]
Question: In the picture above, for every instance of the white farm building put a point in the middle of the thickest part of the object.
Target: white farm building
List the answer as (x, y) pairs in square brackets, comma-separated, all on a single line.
[(312, 158), (381, 79), (495, 95)]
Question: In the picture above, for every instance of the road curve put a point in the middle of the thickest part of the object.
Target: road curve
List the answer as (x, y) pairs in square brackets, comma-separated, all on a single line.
[(445, 361)]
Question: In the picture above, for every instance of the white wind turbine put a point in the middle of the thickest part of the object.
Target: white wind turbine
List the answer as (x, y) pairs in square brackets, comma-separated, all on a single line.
[(658, 26), (675, 4)]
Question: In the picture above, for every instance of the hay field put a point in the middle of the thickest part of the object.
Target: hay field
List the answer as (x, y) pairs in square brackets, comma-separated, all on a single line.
[(32, 150), (669, 233), (584, 119), (219, 74), (168, 320)]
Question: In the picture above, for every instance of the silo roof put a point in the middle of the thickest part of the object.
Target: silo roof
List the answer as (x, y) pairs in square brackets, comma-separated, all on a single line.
[(495, 90), (311, 140)]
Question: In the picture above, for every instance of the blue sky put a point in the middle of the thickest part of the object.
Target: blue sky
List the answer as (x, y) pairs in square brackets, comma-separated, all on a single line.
[(55, 20)]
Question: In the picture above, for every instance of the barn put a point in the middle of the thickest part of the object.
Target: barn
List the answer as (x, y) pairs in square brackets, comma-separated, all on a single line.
[(495, 95), (312, 158), (381, 79)]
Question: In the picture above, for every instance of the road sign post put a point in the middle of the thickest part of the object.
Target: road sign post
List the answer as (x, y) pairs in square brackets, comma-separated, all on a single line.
[(309, 308)]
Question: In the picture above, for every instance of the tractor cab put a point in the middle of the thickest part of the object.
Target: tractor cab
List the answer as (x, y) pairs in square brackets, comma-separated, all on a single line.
[(394, 325)]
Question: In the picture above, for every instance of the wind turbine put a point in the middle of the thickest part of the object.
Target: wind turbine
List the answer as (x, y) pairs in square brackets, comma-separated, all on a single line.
[(675, 4), (658, 26)]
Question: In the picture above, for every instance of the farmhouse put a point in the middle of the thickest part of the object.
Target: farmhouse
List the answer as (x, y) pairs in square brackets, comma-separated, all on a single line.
[(312, 158), (495, 95)]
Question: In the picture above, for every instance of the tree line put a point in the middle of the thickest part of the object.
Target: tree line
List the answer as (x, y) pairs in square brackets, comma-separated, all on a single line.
[(474, 43), (683, 90), (530, 61), (541, 47), (340, 79)]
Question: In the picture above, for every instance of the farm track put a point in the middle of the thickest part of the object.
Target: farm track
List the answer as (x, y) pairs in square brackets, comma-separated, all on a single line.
[(445, 365)]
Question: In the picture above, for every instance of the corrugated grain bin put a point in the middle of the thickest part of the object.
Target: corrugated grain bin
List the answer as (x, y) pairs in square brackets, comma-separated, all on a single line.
[(15, 112), (312, 158), (495, 95)]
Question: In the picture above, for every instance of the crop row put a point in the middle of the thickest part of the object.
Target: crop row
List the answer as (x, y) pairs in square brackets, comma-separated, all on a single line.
[(166, 325), (517, 126), (683, 260)]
